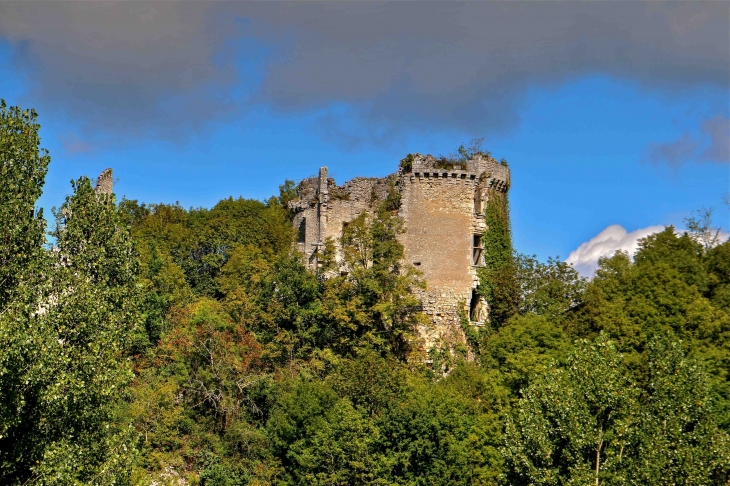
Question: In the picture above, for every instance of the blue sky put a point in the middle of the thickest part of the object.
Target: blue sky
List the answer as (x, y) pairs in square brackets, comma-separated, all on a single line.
[(611, 115)]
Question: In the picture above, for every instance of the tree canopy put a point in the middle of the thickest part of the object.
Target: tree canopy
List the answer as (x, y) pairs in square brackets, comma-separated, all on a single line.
[(154, 344)]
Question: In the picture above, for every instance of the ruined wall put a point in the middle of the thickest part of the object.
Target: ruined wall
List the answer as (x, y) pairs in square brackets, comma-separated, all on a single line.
[(324, 208), (104, 182), (443, 213)]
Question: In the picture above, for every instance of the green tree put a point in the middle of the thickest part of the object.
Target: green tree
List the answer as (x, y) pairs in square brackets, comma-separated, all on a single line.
[(679, 441), (373, 303), (718, 267), (523, 349), (552, 288), (445, 433), (672, 286), (23, 171), (200, 241), (589, 423), (64, 364), (574, 424), (372, 421)]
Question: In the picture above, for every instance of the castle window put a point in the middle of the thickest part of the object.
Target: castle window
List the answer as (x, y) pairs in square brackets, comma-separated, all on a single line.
[(477, 309), (476, 251), (303, 231)]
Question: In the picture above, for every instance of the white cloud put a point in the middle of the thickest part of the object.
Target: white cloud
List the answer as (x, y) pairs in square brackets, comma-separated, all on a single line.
[(615, 237)]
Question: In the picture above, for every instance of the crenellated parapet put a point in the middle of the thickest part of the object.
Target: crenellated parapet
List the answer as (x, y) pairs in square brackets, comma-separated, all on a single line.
[(478, 168)]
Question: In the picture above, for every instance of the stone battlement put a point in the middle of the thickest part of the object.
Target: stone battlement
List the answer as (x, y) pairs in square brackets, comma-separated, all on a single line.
[(479, 166)]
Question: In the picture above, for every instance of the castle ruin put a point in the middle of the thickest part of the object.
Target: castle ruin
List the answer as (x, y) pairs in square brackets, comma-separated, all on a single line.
[(104, 183), (442, 207)]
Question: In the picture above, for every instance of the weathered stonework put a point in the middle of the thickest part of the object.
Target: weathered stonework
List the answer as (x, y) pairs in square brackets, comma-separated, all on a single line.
[(443, 213), (104, 183)]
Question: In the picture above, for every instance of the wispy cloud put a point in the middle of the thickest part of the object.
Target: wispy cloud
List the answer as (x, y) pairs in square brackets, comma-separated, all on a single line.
[(689, 148), (72, 144), (676, 153), (718, 129)]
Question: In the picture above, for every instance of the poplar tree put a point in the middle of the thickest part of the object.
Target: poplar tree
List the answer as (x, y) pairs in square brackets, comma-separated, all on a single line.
[(589, 423), (67, 316)]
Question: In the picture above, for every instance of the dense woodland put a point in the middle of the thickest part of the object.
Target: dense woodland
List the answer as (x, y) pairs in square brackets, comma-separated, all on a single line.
[(153, 344)]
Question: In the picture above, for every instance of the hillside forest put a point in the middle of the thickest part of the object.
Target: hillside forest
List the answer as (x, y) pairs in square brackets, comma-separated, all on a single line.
[(150, 344)]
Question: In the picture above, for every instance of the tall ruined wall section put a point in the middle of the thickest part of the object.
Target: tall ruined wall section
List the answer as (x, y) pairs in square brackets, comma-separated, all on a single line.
[(443, 212), (105, 182), (324, 208)]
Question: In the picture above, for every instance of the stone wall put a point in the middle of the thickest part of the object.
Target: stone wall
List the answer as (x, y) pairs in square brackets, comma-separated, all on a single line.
[(104, 182), (443, 213)]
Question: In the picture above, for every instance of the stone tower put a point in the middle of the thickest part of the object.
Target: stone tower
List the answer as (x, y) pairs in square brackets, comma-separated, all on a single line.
[(442, 207)]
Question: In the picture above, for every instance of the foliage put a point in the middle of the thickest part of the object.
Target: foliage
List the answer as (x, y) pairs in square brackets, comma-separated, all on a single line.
[(449, 162), (23, 170), (331, 432), (207, 353), (406, 163), (463, 154), (200, 241), (498, 279), (221, 361), (551, 289), (718, 269), (287, 192), (524, 348), (574, 424), (374, 300), (65, 338), (393, 200), (589, 423), (700, 228)]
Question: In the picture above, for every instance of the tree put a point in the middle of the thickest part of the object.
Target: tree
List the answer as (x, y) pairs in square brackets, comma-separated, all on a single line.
[(551, 288), (718, 268), (700, 228), (65, 342), (589, 423), (679, 441), (221, 362), (574, 423), (373, 303), (373, 422), (523, 349), (22, 171)]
